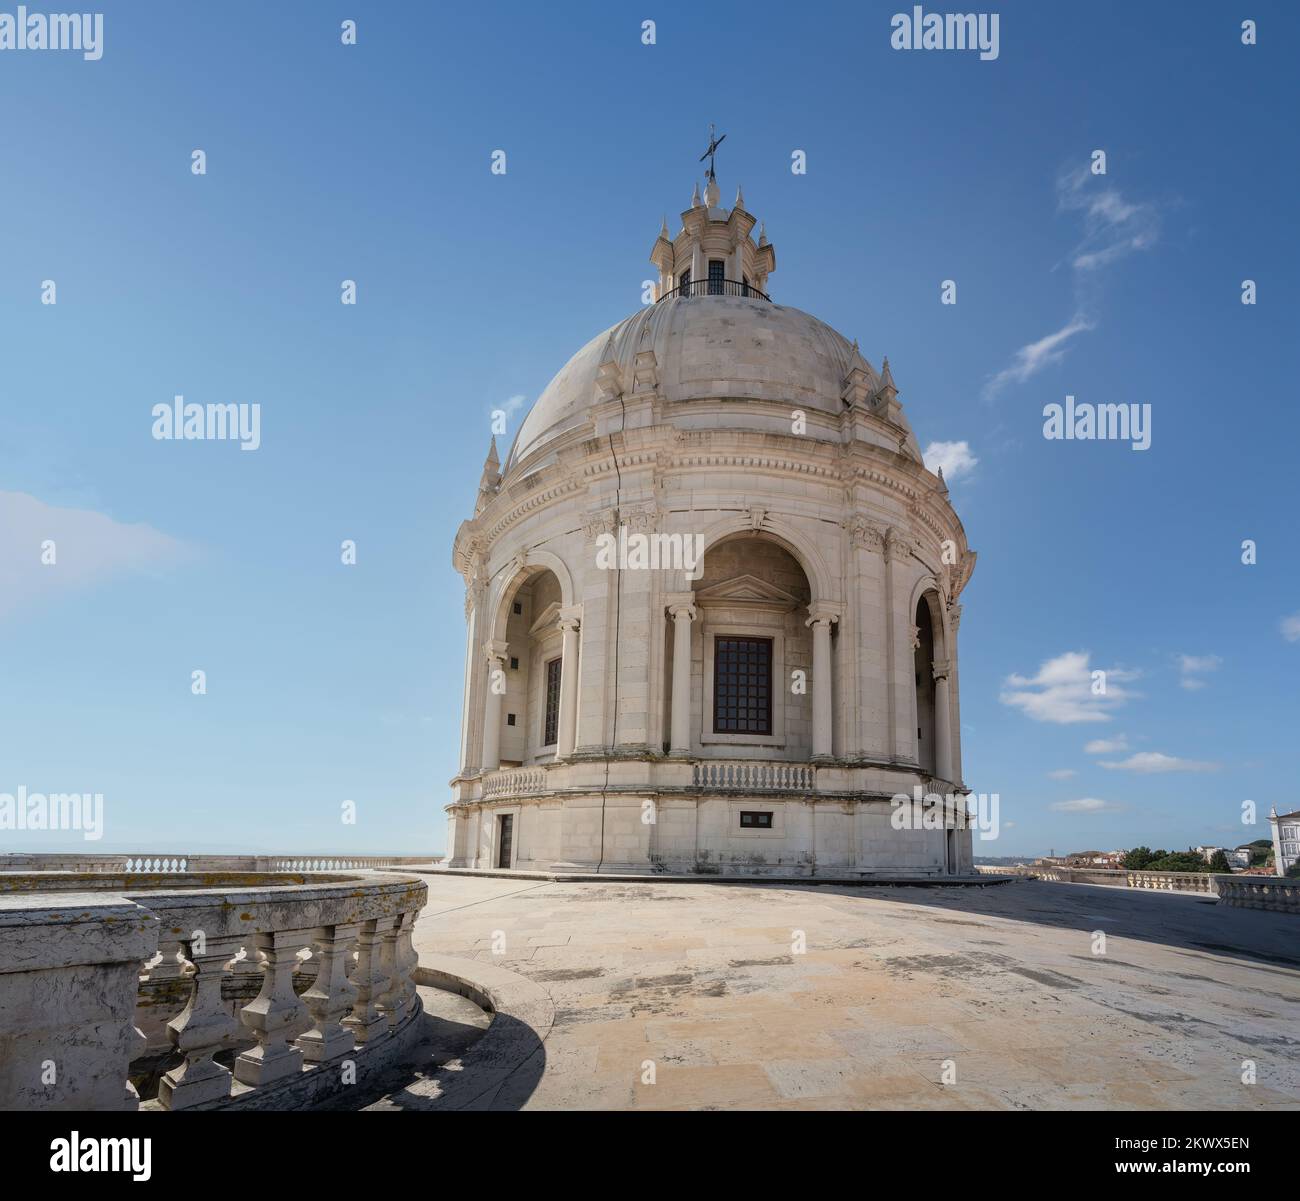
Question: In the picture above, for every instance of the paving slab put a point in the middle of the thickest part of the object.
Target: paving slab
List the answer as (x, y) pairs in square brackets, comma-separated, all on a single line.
[(786, 994)]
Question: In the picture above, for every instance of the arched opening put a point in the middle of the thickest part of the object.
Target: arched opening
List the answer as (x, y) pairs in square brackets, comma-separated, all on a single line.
[(531, 665), (923, 654), (747, 686)]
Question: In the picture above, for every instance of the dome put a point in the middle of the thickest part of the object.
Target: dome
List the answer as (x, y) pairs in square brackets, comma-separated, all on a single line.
[(704, 347)]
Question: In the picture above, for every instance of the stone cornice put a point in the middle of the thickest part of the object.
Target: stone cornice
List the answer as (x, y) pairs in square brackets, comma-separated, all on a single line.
[(664, 450)]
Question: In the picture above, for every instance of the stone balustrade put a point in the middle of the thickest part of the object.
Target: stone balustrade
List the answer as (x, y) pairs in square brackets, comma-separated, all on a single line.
[(514, 781), (1275, 893), (256, 1027), (754, 775), (155, 863)]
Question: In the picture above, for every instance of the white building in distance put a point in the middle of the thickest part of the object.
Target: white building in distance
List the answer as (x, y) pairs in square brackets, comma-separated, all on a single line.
[(712, 601), (1286, 840)]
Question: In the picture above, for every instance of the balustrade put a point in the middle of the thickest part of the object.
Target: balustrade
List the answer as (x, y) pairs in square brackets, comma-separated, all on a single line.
[(307, 1014)]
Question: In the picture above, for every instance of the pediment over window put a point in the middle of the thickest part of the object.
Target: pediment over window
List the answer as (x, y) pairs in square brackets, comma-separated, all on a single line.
[(545, 619), (747, 592)]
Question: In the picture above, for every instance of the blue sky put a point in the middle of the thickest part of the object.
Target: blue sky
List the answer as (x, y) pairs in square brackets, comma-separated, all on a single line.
[(327, 682)]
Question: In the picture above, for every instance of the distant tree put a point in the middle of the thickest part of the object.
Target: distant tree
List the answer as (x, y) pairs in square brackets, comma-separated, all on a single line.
[(1293, 872), (1179, 861), (1136, 859), (1219, 862)]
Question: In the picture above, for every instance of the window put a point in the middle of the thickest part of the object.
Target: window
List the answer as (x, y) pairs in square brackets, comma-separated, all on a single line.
[(755, 821), (717, 273), (517, 607), (684, 283), (510, 719), (514, 663), (742, 686), (551, 731)]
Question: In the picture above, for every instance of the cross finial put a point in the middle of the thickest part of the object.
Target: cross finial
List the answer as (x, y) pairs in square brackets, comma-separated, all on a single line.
[(714, 143)]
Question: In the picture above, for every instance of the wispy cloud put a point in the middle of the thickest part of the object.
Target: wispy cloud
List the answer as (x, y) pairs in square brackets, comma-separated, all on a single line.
[(48, 550), (1149, 762), (1113, 228), (1106, 746), (1087, 804), (1193, 667), (954, 458), (1030, 360), (1291, 628), (511, 406), (1062, 773), (1064, 691)]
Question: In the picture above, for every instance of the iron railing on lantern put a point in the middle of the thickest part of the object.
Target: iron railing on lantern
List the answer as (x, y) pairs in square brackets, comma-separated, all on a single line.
[(717, 287)]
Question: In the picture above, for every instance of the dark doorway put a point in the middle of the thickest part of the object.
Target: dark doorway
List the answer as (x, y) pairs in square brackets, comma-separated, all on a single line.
[(506, 830)]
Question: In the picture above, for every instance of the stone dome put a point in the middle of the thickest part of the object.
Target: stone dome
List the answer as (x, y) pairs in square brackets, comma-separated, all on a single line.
[(704, 347)]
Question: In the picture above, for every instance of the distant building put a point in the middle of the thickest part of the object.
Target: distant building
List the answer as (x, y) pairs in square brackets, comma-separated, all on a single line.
[(1286, 840)]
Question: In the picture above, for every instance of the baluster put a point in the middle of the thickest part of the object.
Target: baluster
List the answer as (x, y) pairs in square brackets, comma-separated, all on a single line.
[(367, 1023), (273, 1013), (392, 999), (407, 961), (331, 997), (201, 1030)]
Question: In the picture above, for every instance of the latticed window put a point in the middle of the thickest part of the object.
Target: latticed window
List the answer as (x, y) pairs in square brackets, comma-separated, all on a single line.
[(684, 283), (717, 273), (742, 686), (552, 725)]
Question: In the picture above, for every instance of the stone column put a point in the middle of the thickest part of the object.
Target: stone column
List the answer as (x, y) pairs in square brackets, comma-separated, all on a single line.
[(954, 689), (568, 728), (942, 724), (683, 614), (496, 653), (821, 667)]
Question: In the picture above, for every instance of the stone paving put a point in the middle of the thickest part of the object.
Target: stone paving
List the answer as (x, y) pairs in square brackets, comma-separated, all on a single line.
[(905, 998)]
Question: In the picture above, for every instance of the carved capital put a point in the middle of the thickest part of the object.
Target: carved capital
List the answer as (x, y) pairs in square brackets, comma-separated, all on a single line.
[(914, 635), (494, 650), (865, 534), (942, 668), (597, 522)]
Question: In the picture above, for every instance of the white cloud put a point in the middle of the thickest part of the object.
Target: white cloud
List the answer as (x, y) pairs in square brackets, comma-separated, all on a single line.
[(954, 458), (1031, 359), (1113, 228), (1148, 762), (1062, 773), (513, 405), (87, 546), (1087, 804), (1106, 746), (1291, 628), (1193, 667), (1063, 691)]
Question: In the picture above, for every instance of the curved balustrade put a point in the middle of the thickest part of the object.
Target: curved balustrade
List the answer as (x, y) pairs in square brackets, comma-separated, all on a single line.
[(290, 978), (515, 782), (751, 775), (717, 287)]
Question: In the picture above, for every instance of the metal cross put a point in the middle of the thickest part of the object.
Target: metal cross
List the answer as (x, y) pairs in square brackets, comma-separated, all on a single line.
[(714, 143)]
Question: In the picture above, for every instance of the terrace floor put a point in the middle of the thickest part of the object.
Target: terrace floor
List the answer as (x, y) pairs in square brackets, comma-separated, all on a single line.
[(904, 998)]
